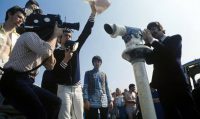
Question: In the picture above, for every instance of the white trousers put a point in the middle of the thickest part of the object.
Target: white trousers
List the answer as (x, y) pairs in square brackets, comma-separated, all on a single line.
[(72, 102)]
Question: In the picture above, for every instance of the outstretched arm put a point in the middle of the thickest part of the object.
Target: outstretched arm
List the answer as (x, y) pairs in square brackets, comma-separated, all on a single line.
[(88, 27)]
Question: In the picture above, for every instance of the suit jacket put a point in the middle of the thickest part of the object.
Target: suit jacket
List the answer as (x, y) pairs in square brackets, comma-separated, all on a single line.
[(166, 58)]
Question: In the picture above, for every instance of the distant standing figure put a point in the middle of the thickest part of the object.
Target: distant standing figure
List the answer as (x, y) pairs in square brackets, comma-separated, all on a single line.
[(119, 102), (96, 92), (130, 101)]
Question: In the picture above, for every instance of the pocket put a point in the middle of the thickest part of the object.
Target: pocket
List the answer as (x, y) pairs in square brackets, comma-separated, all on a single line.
[(104, 100)]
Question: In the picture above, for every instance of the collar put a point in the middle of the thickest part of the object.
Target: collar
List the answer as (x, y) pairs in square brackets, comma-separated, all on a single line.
[(3, 30)]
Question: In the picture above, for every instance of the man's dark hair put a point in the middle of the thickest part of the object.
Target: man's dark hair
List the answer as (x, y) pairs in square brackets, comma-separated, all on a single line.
[(131, 85), (155, 24), (98, 58), (14, 10), (67, 30), (30, 2), (35, 11)]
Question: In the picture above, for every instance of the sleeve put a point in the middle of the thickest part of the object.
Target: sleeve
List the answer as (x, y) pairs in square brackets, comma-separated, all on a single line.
[(60, 68), (108, 90), (37, 45), (169, 50), (86, 31), (63, 65), (50, 63), (172, 45), (85, 86)]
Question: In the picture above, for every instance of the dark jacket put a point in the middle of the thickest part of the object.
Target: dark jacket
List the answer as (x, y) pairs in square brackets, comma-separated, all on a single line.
[(166, 57), (71, 74)]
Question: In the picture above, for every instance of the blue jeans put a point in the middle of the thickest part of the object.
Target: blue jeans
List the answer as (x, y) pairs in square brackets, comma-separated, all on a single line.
[(33, 101)]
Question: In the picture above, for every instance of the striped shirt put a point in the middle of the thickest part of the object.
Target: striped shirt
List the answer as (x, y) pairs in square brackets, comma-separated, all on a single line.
[(29, 51)]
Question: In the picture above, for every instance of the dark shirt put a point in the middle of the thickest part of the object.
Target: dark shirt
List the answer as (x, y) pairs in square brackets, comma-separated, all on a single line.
[(71, 74)]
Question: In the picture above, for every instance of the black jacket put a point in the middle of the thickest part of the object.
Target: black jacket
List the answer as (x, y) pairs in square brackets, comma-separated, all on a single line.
[(166, 59), (71, 75)]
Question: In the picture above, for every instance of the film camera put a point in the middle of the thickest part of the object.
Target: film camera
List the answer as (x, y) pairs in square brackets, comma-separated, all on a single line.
[(43, 25), (71, 45)]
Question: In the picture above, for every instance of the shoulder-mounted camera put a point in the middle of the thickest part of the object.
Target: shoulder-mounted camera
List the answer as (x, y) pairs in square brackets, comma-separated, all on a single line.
[(43, 25)]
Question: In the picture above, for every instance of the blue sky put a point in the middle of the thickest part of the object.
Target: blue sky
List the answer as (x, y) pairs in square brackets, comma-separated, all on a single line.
[(176, 16)]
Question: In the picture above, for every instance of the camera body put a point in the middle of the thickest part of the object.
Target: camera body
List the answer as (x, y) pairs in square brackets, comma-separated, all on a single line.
[(71, 45), (49, 20), (43, 25)]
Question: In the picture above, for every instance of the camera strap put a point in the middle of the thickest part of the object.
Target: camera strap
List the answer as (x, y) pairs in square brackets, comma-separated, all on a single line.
[(36, 66), (31, 69)]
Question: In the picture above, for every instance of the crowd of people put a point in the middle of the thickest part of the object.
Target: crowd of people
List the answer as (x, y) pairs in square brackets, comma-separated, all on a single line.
[(125, 104), (61, 95)]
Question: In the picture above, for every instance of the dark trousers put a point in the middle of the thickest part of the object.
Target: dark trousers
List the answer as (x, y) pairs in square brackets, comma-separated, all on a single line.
[(92, 113), (33, 101), (48, 82), (196, 95), (178, 105)]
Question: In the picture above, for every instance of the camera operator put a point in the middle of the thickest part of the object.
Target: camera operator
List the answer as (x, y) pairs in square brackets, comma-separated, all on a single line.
[(17, 81), (32, 6), (67, 73)]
